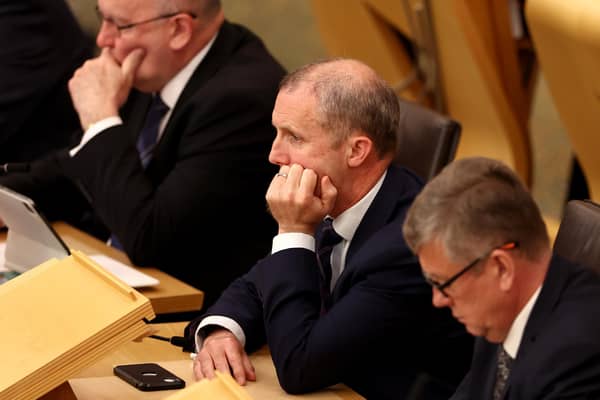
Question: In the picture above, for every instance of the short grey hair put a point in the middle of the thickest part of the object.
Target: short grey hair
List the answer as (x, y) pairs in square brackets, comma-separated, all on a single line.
[(201, 8), (472, 206), (350, 96)]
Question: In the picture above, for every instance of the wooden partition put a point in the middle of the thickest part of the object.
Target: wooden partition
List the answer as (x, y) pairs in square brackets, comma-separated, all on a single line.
[(566, 36), (480, 77)]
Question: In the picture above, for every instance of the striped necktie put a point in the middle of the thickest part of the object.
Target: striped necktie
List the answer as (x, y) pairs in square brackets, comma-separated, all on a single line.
[(149, 133), (504, 362), (147, 141)]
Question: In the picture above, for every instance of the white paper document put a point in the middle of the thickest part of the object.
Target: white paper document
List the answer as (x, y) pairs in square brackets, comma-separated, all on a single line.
[(127, 274)]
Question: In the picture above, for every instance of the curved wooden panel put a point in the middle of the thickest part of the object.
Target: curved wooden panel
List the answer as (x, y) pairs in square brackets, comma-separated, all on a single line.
[(477, 63), (360, 32), (566, 35)]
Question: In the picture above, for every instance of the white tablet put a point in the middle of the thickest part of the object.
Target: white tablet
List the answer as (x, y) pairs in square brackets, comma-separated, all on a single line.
[(30, 240)]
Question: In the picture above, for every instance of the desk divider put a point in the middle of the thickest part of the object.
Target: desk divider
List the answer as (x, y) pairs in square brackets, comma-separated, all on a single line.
[(222, 387), (60, 317)]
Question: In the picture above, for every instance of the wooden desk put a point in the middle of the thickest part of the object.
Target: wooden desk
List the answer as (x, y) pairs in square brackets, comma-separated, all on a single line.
[(169, 296), (99, 383)]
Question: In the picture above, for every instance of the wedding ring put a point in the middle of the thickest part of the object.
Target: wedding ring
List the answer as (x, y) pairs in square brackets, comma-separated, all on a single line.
[(282, 174)]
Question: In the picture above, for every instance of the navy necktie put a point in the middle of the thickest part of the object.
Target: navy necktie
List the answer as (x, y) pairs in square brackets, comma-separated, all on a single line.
[(149, 133), (326, 239), (146, 141)]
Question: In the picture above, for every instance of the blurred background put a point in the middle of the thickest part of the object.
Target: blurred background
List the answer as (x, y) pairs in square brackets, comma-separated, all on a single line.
[(473, 60)]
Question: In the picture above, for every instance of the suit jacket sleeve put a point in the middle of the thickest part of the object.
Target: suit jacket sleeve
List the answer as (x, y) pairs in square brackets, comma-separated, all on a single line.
[(380, 331), (312, 351)]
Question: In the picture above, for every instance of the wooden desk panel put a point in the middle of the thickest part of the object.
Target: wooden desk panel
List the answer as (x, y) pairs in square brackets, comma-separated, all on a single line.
[(169, 296), (99, 383)]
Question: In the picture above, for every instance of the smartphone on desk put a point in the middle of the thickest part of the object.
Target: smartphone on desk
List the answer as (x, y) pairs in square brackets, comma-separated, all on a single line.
[(148, 377)]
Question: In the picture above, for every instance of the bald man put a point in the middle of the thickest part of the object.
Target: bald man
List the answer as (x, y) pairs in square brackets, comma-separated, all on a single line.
[(354, 310)]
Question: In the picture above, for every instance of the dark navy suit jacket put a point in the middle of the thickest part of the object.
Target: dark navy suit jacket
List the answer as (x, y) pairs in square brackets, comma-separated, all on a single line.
[(203, 191), (559, 355), (382, 336)]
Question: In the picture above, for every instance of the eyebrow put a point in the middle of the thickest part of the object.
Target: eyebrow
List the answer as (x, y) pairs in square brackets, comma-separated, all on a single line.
[(112, 18), (433, 277)]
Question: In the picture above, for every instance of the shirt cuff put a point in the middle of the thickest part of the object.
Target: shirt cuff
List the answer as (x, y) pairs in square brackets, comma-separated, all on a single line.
[(224, 322), (291, 240), (94, 130)]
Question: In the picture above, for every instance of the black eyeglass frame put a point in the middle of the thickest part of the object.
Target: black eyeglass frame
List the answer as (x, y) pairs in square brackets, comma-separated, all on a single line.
[(444, 285), (146, 21)]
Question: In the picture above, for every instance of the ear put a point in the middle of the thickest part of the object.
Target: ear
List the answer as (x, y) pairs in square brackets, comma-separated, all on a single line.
[(181, 30), (505, 269), (359, 148)]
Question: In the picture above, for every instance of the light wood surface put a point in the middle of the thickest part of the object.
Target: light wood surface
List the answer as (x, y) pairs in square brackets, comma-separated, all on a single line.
[(169, 296), (99, 383), (52, 336), (478, 68), (566, 36)]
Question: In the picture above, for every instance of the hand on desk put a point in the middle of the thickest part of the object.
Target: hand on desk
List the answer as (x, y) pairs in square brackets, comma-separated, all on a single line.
[(222, 351)]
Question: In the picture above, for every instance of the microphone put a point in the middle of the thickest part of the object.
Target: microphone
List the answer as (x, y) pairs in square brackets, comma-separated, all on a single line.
[(8, 168)]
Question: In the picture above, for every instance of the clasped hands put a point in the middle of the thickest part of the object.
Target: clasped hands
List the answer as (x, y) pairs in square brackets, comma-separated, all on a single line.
[(298, 201)]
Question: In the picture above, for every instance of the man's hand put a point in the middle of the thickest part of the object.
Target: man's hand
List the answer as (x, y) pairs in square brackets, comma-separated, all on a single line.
[(101, 86), (222, 351), (296, 202)]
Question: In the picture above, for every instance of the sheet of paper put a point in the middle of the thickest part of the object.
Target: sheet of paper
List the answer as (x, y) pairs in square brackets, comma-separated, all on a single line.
[(2, 250), (127, 274)]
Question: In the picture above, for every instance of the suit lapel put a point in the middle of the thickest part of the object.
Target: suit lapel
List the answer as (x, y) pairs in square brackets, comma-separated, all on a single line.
[(382, 209), (218, 54), (554, 284), (483, 370)]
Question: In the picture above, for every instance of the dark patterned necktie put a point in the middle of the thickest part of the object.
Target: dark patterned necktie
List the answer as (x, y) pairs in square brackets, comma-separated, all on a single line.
[(504, 362), (326, 239), (149, 133), (146, 141)]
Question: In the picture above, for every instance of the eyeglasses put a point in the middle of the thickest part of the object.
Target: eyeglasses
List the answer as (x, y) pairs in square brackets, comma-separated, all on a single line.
[(123, 27), (441, 286)]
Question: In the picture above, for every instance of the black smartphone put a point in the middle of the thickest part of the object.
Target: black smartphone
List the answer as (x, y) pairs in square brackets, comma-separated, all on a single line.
[(148, 377)]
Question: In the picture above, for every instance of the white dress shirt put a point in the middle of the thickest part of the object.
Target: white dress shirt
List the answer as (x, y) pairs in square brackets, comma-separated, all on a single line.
[(345, 225), (515, 334)]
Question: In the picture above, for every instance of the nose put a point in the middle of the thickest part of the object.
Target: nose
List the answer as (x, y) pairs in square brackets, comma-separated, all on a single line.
[(278, 154), (106, 35), (438, 299)]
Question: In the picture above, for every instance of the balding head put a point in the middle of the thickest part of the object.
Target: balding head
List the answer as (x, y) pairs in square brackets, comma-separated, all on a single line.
[(350, 97)]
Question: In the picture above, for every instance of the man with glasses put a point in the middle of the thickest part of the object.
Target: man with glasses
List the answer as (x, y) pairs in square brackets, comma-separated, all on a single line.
[(173, 161), (483, 247)]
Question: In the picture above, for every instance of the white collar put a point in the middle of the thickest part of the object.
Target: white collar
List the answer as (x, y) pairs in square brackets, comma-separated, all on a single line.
[(172, 90), (347, 222), (515, 334)]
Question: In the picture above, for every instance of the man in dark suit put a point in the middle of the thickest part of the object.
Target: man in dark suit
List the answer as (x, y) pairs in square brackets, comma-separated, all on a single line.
[(358, 311), (193, 203), (483, 247), (41, 45)]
